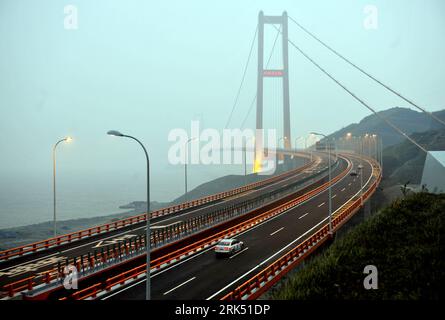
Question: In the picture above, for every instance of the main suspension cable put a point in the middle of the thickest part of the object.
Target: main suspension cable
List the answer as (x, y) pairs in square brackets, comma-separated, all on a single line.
[(366, 73), (356, 97), (242, 79)]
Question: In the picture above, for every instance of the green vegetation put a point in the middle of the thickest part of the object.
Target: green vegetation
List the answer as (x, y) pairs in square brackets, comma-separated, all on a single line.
[(404, 162), (404, 241)]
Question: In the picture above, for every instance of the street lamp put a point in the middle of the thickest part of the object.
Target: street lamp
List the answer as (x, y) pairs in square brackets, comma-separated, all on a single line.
[(147, 242), (281, 158), (296, 148), (330, 186), (185, 167), (296, 139), (375, 151), (67, 139), (282, 138)]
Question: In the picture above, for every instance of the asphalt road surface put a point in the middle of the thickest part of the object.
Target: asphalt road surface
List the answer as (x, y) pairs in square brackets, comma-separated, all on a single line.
[(40, 262), (204, 276)]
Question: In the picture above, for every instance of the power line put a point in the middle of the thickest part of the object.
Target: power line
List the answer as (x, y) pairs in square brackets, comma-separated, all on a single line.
[(267, 65), (367, 74), (355, 97), (242, 79)]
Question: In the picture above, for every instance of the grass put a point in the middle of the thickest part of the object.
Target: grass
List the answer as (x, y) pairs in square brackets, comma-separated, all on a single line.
[(404, 241)]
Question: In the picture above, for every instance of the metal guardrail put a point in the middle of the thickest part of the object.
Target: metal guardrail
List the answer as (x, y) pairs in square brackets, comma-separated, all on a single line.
[(106, 256), (261, 282), (184, 228), (173, 257), (85, 264), (81, 234)]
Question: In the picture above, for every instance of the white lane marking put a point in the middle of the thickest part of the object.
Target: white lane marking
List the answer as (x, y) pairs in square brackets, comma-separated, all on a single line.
[(343, 189), (32, 267), (304, 215), (266, 260), (126, 288), (349, 184), (261, 187), (248, 230), (276, 231), (71, 249), (334, 196), (114, 240), (90, 243), (211, 246), (30, 261), (100, 242), (285, 247), (165, 226), (118, 234), (167, 292), (321, 204), (238, 195), (238, 253)]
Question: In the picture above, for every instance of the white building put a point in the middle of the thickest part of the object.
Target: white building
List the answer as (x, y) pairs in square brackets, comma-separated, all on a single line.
[(433, 176)]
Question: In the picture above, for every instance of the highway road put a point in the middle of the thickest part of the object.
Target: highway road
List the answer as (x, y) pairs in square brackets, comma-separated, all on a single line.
[(39, 262), (203, 276)]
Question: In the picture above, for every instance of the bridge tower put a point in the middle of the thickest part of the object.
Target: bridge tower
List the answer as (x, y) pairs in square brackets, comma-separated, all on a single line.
[(280, 73)]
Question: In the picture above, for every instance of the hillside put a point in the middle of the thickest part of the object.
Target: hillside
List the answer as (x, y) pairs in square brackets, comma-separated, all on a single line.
[(230, 182), (404, 161), (404, 241), (408, 120), (12, 237)]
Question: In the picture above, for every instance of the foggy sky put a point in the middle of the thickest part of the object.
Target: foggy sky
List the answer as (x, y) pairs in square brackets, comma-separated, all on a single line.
[(146, 67)]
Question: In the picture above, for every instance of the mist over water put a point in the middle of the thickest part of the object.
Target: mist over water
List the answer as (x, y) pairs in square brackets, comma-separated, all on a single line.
[(29, 200)]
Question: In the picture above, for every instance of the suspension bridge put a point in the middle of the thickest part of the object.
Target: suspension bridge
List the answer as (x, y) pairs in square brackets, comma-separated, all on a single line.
[(281, 219)]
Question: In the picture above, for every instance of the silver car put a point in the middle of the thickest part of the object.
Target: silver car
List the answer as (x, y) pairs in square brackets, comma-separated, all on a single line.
[(228, 247)]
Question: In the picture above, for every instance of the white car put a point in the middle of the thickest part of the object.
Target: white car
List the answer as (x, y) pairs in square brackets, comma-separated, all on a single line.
[(228, 246)]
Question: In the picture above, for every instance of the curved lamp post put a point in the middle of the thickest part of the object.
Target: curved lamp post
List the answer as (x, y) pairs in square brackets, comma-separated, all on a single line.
[(147, 242), (67, 139)]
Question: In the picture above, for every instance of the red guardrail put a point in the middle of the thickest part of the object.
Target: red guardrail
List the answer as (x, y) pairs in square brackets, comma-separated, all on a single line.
[(84, 264), (261, 282), (89, 292), (94, 260), (67, 238), (204, 243), (17, 286)]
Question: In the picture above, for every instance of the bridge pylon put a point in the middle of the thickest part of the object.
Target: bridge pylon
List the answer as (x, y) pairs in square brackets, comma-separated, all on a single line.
[(277, 73)]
